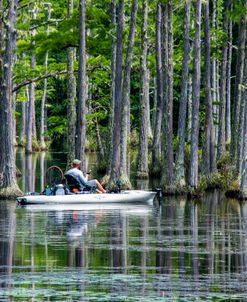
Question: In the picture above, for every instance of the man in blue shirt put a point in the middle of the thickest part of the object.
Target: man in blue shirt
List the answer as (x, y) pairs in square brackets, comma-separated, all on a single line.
[(83, 181)]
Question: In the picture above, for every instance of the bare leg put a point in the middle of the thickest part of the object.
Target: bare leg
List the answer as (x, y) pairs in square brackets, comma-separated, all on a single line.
[(99, 187)]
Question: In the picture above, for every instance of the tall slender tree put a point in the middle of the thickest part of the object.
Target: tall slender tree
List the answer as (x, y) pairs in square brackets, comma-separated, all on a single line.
[(8, 182), (31, 127), (81, 104), (243, 170), (116, 133), (142, 170), (44, 96), (193, 165), (238, 82), (126, 92), (113, 68), (71, 92), (222, 111), (168, 173), (209, 162), (156, 146), (242, 98), (228, 85), (180, 172)]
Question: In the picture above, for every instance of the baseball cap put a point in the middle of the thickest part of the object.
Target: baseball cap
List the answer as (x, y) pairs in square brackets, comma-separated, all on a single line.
[(76, 162)]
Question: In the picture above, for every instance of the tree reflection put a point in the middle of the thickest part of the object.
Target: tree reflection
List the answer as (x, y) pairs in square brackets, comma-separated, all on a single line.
[(7, 227), (194, 261)]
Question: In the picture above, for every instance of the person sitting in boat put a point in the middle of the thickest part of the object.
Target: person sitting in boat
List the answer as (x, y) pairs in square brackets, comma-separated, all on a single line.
[(82, 180)]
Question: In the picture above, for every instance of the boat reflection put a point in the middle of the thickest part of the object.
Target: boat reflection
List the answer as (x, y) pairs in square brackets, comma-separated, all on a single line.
[(124, 208)]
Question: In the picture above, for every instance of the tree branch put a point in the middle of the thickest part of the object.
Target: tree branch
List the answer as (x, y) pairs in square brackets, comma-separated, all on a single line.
[(45, 76), (54, 74)]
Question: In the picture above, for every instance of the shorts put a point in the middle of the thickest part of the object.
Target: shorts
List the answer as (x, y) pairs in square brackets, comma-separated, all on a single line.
[(91, 183)]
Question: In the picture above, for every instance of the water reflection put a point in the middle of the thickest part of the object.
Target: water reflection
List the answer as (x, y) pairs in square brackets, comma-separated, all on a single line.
[(7, 233), (182, 251)]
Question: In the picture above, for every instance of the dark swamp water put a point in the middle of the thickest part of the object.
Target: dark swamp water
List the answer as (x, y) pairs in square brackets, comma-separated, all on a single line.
[(178, 251)]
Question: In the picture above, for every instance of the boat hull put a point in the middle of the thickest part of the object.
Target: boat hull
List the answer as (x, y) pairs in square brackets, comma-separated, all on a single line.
[(123, 197)]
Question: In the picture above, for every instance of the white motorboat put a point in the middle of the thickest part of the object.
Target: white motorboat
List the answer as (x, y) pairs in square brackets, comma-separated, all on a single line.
[(128, 196)]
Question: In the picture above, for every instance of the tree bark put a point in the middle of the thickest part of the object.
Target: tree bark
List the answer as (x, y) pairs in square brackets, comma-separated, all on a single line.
[(168, 177), (222, 112), (243, 171), (1, 41), (31, 132), (71, 89), (189, 119), (126, 90), (215, 76), (156, 147), (142, 170), (116, 132), (242, 101), (209, 162), (113, 59), (180, 173), (8, 182), (23, 122), (193, 165), (228, 85), (81, 105), (44, 97), (113, 74), (238, 82)]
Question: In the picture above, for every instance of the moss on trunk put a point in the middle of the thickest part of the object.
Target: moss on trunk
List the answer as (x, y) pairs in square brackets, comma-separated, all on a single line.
[(10, 192)]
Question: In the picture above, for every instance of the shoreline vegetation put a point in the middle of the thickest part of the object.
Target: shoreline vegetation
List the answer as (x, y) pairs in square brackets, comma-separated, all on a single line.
[(164, 79)]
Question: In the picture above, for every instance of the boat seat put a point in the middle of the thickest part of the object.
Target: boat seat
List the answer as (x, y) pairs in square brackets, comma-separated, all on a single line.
[(74, 185)]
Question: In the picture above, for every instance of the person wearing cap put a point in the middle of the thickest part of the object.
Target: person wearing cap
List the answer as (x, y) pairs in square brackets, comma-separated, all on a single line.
[(83, 181)]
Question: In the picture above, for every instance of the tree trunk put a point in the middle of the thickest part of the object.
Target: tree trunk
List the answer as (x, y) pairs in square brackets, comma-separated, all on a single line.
[(116, 132), (228, 85), (14, 118), (81, 105), (193, 165), (156, 147), (238, 82), (1, 41), (71, 89), (126, 91), (23, 123), (31, 132), (44, 97), (222, 112), (8, 182), (113, 74), (113, 59), (209, 163), (168, 179), (180, 173), (189, 122), (142, 170), (214, 76), (30, 120), (242, 101), (243, 172)]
